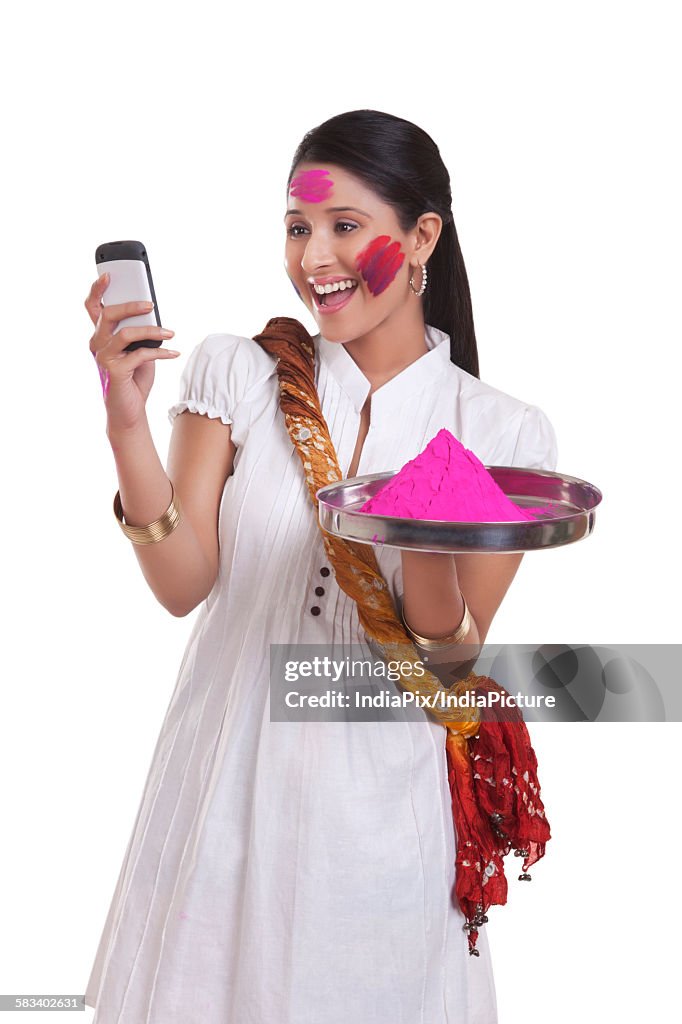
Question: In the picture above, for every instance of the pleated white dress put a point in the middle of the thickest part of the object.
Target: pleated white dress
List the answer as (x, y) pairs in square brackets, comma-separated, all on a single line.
[(299, 872)]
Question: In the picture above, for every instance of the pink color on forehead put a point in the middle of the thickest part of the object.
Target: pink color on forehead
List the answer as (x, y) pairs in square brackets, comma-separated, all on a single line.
[(311, 186), (446, 482)]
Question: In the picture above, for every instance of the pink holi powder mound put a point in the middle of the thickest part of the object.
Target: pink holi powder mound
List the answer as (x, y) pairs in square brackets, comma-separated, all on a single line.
[(446, 482)]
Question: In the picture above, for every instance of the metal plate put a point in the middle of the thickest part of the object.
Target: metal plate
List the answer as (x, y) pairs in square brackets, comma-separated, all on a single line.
[(570, 517)]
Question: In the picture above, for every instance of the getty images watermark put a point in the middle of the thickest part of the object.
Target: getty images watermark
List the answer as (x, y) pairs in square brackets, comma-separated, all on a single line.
[(326, 667), (548, 683)]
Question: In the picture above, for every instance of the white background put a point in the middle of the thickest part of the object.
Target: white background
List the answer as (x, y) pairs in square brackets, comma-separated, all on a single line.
[(559, 124)]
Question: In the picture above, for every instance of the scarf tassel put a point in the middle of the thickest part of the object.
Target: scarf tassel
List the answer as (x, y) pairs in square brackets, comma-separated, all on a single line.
[(496, 807)]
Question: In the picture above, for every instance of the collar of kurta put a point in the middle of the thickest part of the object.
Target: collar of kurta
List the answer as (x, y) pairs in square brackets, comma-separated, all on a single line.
[(424, 371)]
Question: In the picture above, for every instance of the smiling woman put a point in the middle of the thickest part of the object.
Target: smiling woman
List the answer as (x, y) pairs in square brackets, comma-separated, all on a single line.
[(289, 871)]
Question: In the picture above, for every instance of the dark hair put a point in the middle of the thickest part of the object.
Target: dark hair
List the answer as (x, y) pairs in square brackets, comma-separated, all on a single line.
[(403, 165)]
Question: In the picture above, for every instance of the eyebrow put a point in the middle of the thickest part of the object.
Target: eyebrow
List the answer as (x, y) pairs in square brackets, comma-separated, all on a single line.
[(335, 209)]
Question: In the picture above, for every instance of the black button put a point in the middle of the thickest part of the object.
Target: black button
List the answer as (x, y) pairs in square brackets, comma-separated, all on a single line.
[(324, 571), (315, 610), (319, 591)]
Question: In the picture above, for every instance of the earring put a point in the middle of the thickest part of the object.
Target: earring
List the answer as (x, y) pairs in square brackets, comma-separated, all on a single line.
[(423, 287)]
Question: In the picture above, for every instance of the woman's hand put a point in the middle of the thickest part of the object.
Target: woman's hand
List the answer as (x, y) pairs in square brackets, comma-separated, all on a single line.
[(126, 377)]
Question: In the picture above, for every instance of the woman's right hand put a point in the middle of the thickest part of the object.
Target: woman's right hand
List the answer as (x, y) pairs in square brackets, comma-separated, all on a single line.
[(126, 377)]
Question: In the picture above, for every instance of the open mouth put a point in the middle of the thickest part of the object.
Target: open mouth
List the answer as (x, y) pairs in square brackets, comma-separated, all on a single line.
[(330, 302)]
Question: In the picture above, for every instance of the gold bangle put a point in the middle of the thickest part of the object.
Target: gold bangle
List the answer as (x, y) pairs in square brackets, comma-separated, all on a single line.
[(155, 531), (441, 642)]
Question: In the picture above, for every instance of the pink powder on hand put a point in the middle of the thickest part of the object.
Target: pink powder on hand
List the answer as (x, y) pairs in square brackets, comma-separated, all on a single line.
[(446, 482)]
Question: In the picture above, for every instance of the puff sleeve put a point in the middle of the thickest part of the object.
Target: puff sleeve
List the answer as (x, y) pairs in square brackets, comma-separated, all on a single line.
[(536, 444), (213, 380)]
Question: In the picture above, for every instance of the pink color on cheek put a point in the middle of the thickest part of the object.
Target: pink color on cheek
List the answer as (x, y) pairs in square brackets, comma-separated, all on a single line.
[(312, 186), (446, 482), (379, 262)]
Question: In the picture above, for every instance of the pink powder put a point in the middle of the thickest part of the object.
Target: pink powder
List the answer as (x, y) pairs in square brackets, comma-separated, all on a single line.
[(446, 482), (103, 377), (553, 509)]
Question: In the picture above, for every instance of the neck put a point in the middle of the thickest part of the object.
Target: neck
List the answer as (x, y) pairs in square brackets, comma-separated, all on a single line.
[(391, 346)]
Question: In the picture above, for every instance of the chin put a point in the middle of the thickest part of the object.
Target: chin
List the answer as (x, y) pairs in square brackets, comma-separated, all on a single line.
[(337, 335)]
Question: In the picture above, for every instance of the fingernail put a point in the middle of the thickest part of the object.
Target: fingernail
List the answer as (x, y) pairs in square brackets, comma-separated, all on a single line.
[(171, 352), (166, 333)]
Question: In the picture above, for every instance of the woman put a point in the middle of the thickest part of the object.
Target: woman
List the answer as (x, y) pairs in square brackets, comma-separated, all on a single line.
[(302, 871)]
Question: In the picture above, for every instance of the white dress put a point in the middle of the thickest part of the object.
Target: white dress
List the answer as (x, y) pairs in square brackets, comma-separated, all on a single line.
[(299, 872)]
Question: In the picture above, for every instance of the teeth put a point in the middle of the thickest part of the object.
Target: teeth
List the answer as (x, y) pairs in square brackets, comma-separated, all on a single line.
[(325, 289)]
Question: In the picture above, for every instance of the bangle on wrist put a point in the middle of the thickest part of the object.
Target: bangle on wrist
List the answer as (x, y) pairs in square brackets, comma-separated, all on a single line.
[(438, 643), (154, 532)]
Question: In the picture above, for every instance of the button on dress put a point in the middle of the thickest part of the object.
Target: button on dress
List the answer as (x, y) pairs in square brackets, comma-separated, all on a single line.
[(299, 872)]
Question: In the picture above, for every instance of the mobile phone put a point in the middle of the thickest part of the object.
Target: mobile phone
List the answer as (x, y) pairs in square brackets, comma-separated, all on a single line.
[(130, 280)]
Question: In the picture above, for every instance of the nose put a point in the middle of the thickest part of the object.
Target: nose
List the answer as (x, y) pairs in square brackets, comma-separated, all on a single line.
[(318, 255)]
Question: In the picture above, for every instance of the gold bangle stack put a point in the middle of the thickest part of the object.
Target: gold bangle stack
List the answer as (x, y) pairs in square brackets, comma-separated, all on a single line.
[(441, 642), (155, 531)]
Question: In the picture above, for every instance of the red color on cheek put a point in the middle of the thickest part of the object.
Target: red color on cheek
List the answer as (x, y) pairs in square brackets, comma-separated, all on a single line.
[(312, 186), (379, 262)]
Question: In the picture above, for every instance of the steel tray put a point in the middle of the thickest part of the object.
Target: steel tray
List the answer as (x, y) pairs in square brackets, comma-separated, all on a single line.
[(569, 517)]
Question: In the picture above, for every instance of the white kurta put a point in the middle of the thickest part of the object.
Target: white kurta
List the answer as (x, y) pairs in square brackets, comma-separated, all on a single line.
[(299, 872)]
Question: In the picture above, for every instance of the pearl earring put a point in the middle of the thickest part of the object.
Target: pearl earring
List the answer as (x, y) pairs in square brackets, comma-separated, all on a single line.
[(423, 287)]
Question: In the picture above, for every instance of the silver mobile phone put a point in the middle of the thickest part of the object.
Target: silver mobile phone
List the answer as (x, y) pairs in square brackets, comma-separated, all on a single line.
[(130, 280)]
